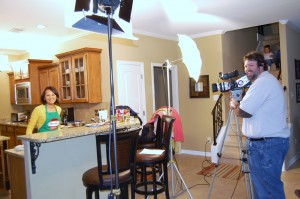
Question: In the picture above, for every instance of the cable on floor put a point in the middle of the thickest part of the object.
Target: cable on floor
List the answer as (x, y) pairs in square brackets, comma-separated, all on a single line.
[(206, 160)]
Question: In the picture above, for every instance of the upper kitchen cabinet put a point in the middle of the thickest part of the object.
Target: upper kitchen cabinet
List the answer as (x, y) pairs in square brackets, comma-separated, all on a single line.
[(80, 75), (11, 87), (49, 76), (33, 78)]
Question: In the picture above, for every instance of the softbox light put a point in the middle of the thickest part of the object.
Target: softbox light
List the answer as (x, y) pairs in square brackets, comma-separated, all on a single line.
[(98, 24), (95, 23)]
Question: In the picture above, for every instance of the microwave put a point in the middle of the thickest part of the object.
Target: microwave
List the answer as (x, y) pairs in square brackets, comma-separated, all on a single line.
[(18, 117), (22, 93)]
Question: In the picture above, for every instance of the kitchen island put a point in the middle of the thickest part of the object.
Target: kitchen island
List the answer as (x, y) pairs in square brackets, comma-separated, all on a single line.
[(16, 173), (4, 181), (55, 161)]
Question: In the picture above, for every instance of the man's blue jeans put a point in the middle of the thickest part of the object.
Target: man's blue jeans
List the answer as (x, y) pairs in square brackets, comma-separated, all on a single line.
[(265, 160)]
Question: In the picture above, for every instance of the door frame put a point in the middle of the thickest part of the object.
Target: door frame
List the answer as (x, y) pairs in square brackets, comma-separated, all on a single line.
[(174, 70)]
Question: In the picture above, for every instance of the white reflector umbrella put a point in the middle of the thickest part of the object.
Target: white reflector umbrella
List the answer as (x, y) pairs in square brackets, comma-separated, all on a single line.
[(190, 56)]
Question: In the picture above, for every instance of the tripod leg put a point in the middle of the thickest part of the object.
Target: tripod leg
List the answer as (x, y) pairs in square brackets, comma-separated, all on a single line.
[(220, 153), (243, 158)]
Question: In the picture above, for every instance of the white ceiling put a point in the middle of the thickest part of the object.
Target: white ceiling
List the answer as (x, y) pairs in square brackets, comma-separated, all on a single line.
[(158, 18)]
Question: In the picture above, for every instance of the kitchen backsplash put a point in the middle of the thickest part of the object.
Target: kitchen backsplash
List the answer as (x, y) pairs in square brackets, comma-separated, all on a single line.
[(82, 112)]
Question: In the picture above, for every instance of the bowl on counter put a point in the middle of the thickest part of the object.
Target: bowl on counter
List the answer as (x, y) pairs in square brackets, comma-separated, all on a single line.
[(75, 124)]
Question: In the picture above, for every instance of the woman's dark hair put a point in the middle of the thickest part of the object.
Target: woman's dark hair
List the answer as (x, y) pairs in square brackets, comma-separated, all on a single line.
[(267, 46), (256, 56), (51, 88)]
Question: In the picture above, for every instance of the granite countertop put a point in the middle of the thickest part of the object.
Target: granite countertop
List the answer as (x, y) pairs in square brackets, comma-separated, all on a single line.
[(9, 123), (67, 133), (18, 153), (2, 138)]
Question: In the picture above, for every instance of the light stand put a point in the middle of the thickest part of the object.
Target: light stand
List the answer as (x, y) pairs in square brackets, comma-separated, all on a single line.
[(112, 106), (95, 23), (172, 163)]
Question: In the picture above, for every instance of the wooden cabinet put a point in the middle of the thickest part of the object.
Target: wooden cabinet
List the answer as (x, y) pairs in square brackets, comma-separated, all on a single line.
[(80, 75), (49, 76), (8, 132), (4, 182), (33, 79), (12, 132), (11, 87), (16, 172)]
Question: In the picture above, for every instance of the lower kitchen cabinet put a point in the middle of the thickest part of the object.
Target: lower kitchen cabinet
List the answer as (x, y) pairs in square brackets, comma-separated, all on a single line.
[(4, 182), (16, 173), (12, 132)]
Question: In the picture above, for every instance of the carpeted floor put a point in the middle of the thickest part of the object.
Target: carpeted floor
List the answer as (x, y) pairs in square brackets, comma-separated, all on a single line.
[(227, 171)]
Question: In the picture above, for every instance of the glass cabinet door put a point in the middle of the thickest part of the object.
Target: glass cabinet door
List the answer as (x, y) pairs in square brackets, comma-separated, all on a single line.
[(65, 67), (80, 79)]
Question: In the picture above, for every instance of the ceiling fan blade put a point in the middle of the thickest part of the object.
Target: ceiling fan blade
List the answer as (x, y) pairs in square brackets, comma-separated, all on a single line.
[(82, 5), (125, 10)]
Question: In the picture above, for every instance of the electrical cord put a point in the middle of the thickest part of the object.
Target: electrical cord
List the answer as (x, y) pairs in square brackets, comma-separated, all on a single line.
[(206, 160), (237, 180)]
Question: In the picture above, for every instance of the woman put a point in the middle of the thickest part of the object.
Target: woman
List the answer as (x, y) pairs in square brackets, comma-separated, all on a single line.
[(47, 115)]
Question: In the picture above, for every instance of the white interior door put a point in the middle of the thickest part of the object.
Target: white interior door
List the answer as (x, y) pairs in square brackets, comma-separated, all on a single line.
[(131, 87)]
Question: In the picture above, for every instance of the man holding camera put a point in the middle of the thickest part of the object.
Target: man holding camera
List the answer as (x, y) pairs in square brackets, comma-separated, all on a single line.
[(264, 113)]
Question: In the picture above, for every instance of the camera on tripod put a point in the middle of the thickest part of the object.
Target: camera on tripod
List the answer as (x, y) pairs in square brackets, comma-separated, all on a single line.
[(235, 86)]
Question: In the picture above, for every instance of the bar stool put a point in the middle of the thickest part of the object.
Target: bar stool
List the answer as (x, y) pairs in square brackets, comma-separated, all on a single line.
[(153, 187), (154, 144), (98, 178)]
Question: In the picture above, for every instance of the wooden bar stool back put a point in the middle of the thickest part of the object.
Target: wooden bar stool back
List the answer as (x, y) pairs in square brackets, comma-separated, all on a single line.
[(98, 178), (155, 185)]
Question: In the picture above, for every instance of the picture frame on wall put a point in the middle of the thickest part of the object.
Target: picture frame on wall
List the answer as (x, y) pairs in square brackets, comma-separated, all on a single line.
[(201, 88), (297, 68), (298, 92)]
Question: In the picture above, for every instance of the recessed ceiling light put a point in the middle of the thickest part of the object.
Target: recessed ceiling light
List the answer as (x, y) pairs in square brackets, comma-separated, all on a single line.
[(40, 26), (16, 30)]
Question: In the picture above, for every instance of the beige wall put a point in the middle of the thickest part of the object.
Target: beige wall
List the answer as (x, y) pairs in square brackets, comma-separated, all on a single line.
[(290, 48), (233, 52), (196, 112), (5, 107)]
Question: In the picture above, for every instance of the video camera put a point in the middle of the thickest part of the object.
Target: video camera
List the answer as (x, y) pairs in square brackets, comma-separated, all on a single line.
[(232, 85)]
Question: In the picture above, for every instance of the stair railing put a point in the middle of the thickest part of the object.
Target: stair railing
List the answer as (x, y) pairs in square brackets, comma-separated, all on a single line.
[(217, 119)]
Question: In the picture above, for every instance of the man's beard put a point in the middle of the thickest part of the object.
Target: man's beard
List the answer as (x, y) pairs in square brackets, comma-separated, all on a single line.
[(252, 77)]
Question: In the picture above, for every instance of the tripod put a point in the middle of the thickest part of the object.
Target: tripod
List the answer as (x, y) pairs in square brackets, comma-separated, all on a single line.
[(243, 159)]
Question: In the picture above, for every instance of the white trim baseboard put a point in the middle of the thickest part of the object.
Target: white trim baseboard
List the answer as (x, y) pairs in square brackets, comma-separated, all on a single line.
[(190, 152)]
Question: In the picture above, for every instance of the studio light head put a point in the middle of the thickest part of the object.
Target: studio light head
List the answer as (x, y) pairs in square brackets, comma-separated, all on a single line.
[(95, 21), (102, 5)]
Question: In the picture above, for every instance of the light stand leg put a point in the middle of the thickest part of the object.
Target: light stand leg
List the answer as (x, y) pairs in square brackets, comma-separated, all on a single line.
[(172, 163)]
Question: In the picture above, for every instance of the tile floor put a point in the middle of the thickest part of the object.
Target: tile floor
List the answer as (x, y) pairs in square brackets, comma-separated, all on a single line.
[(198, 186)]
